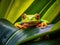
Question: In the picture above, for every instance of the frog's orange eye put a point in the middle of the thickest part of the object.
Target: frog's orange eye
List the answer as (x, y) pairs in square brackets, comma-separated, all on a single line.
[(37, 16), (24, 16)]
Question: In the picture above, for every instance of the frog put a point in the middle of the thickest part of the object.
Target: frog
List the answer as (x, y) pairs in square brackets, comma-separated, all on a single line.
[(31, 21)]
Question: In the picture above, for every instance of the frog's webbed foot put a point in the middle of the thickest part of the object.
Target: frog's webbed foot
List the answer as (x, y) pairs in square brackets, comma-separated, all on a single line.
[(18, 25), (41, 25), (24, 26)]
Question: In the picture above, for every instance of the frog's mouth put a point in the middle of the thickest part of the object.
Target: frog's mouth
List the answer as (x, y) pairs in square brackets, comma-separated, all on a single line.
[(32, 23)]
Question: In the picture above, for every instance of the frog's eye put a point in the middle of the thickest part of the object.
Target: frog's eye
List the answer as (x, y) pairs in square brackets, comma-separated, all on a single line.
[(23, 16), (37, 16)]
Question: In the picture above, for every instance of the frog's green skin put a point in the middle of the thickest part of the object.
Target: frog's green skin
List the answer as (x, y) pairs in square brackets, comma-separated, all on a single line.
[(31, 20)]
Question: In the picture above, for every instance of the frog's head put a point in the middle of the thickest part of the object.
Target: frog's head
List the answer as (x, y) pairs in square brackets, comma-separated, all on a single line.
[(30, 18)]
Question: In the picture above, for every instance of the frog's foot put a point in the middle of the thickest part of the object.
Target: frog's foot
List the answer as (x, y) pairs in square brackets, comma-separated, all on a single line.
[(42, 25), (18, 26), (24, 26)]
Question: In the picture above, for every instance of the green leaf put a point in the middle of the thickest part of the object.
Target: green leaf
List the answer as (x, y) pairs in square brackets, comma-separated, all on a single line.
[(17, 9), (45, 42), (4, 4), (56, 27), (57, 18), (6, 30), (25, 35), (46, 7), (22, 36), (36, 6), (52, 12)]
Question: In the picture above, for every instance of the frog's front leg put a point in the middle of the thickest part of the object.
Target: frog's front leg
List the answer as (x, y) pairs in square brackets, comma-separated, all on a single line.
[(42, 24), (21, 26), (18, 25)]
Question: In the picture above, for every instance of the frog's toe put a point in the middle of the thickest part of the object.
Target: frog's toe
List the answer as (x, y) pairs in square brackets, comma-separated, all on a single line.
[(45, 24), (42, 26), (20, 26)]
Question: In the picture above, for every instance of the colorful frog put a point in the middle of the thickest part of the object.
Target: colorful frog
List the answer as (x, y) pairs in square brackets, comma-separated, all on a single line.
[(30, 21)]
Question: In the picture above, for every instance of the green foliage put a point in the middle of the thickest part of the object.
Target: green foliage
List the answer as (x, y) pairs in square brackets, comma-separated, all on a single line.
[(36, 6), (49, 10), (4, 4), (52, 12), (18, 7)]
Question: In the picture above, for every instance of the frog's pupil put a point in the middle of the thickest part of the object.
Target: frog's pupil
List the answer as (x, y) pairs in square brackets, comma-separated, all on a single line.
[(23, 16), (37, 16)]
